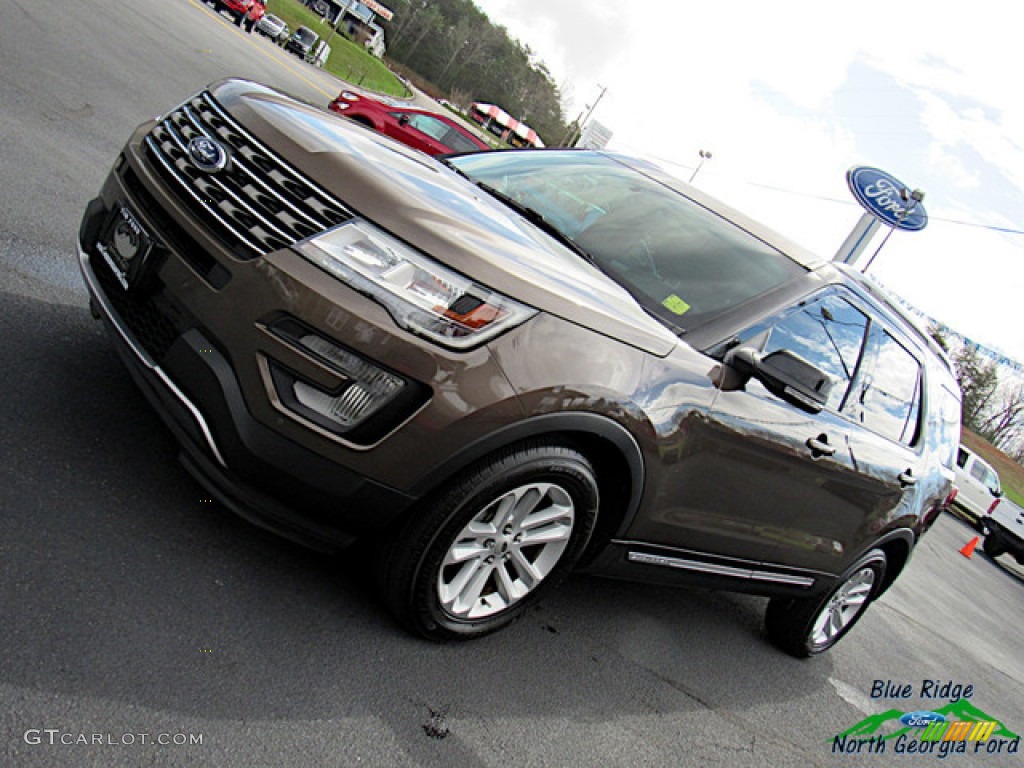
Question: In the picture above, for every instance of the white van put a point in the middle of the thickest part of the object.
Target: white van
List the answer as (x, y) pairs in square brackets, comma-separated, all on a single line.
[(979, 489)]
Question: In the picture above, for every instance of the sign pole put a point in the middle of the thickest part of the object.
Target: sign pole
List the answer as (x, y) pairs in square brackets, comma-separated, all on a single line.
[(886, 200), (859, 239)]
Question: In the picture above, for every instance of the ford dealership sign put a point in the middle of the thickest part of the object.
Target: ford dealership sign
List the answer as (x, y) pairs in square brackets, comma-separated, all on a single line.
[(884, 197)]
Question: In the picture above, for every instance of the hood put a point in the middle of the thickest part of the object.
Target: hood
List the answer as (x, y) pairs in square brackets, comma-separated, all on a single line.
[(432, 208)]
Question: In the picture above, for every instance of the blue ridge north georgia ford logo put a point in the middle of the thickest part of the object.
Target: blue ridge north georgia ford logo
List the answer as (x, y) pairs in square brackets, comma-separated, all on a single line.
[(207, 155)]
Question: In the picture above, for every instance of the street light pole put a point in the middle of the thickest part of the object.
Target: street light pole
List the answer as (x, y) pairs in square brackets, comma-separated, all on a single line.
[(704, 155)]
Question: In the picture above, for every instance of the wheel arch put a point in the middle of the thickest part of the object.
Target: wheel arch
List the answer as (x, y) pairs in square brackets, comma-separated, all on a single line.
[(897, 546), (609, 446)]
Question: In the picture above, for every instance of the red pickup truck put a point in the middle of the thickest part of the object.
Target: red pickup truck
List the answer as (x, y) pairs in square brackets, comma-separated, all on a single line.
[(245, 12)]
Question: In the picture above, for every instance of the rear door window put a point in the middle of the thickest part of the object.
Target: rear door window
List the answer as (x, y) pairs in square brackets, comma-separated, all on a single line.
[(887, 396)]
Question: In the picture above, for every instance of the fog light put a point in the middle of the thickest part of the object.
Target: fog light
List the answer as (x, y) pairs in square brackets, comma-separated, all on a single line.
[(366, 402), (368, 390)]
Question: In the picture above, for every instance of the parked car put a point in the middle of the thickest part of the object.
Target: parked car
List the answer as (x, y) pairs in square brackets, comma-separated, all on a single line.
[(319, 54), (301, 42), (429, 132), (257, 10), (237, 9), (319, 6), (497, 368), (978, 488), (273, 27)]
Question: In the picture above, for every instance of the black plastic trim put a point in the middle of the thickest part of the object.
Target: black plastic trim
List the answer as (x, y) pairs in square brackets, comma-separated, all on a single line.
[(548, 425)]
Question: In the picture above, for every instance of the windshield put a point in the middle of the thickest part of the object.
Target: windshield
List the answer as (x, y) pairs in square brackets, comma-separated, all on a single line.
[(306, 36), (683, 262)]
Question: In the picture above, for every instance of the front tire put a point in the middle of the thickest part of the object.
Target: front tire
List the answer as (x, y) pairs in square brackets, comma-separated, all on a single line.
[(809, 626), (493, 544)]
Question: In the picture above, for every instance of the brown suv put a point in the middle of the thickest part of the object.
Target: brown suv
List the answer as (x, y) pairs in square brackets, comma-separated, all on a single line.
[(501, 366)]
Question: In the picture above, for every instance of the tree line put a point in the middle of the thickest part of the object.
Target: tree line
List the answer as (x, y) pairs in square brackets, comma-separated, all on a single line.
[(992, 408), (460, 53)]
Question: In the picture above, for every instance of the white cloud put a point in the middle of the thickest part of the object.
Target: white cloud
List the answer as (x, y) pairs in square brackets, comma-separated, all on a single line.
[(790, 95)]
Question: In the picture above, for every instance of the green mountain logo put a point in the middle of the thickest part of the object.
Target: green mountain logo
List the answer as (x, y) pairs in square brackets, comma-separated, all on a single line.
[(959, 710)]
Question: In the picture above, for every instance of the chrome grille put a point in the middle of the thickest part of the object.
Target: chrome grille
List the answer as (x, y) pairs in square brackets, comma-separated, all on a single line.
[(258, 203)]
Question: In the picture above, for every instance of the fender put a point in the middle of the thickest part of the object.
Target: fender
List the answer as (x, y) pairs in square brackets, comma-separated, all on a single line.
[(551, 424)]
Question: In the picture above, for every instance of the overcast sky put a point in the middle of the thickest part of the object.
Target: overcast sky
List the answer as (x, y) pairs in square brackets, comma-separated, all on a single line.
[(787, 96)]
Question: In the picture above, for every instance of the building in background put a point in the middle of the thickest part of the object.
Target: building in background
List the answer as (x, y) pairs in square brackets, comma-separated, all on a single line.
[(594, 136), (500, 123), (356, 19)]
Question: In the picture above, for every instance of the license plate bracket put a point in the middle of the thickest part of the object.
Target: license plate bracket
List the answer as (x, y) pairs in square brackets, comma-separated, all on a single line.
[(125, 246)]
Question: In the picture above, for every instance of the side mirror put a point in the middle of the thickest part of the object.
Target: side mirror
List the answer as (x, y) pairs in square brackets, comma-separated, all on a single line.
[(785, 374), (404, 119)]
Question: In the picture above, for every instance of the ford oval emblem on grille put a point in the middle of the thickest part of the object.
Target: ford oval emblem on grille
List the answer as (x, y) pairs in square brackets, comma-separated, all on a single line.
[(207, 155)]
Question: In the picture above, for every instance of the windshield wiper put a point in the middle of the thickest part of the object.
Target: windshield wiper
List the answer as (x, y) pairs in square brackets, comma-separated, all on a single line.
[(536, 218)]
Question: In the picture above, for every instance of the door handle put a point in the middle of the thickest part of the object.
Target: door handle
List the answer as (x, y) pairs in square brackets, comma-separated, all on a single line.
[(907, 478), (819, 446)]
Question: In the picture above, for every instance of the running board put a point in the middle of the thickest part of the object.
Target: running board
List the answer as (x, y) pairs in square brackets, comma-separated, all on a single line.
[(748, 574)]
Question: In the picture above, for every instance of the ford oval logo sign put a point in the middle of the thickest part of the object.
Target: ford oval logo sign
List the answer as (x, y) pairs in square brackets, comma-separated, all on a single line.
[(921, 718), (207, 155), (883, 196)]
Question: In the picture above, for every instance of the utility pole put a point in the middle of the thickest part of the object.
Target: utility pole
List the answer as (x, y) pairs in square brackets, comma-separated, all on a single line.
[(572, 135)]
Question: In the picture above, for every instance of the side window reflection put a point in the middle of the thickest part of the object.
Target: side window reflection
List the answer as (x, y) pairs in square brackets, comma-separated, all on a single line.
[(887, 396), (827, 332)]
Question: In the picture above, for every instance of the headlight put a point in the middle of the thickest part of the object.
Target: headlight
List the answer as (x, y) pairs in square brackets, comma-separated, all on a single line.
[(421, 295), (349, 96)]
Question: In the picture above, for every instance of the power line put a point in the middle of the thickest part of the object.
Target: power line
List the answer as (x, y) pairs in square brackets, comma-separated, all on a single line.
[(851, 203)]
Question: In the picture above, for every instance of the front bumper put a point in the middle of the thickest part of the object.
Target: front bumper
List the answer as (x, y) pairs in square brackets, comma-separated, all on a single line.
[(202, 320), (252, 470)]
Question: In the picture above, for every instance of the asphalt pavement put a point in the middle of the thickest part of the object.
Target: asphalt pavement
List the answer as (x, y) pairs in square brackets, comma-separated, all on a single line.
[(134, 611)]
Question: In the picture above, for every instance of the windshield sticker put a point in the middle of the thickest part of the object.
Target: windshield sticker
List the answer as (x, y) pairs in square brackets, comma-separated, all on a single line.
[(675, 305)]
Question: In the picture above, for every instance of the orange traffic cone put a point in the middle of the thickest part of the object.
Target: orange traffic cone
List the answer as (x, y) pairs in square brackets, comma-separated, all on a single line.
[(968, 549)]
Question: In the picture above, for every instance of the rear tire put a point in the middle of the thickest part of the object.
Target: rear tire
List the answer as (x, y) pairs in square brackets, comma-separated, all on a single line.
[(809, 626), (993, 545), (492, 544)]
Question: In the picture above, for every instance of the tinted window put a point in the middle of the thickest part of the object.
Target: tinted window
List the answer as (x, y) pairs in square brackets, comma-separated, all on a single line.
[(442, 132), (961, 458), (428, 125), (827, 332), (887, 396), (683, 262), (459, 143)]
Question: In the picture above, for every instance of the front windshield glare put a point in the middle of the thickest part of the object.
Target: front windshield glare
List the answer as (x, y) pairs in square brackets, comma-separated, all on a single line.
[(681, 261)]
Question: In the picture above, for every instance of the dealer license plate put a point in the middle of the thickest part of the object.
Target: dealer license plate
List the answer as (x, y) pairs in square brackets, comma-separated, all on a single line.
[(125, 246)]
